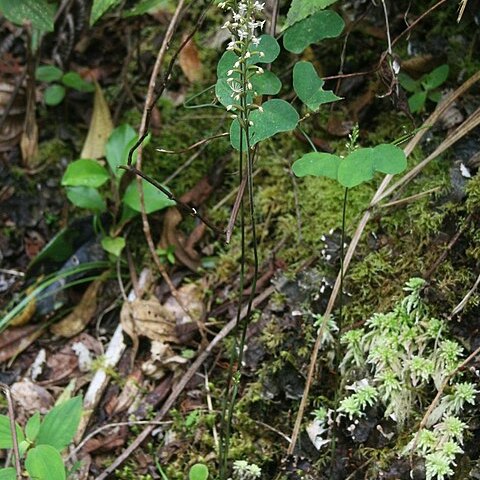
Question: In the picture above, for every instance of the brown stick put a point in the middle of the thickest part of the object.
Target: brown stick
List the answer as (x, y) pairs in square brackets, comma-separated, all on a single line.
[(13, 429)]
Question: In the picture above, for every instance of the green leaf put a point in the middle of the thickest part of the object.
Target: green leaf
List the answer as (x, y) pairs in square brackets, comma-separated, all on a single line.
[(44, 462), (408, 83), (113, 245), (40, 13), (324, 24), (266, 83), (435, 78), (226, 62), (144, 6), (434, 96), (356, 168), (86, 197), (417, 101), (317, 164), (33, 427), (388, 158), (75, 81), (8, 474), (118, 145), (48, 73), (85, 173), (301, 9), (60, 424), (100, 7), (53, 95), (308, 86), (199, 471), (277, 116), (154, 198), (6, 434), (268, 46)]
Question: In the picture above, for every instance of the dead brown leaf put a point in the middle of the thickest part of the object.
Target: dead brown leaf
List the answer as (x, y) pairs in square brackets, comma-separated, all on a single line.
[(101, 127), (15, 340), (190, 63), (31, 398), (81, 315)]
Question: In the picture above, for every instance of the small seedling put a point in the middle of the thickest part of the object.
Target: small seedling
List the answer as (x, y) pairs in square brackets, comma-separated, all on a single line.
[(41, 442), (426, 87), (199, 471), (59, 82)]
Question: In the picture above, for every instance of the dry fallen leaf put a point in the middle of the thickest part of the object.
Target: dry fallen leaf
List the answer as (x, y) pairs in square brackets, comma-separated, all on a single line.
[(190, 62), (15, 340), (81, 315), (101, 127), (31, 398)]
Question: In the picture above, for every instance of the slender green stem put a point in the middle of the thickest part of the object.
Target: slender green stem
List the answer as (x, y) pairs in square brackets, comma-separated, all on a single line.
[(339, 325)]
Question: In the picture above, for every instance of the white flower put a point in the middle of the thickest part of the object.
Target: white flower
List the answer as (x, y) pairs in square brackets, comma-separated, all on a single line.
[(229, 73), (242, 34), (231, 45), (260, 70), (229, 107), (248, 55), (258, 6), (260, 109), (242, 8), (226, 24), (249, 86), (255, 41), (237, 17)]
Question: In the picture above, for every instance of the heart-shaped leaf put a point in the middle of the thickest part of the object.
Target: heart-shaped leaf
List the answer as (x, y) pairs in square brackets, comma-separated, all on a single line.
[(323, 24), (317, 164), (118, 145), (268, 46), (266, 83), (309, 86), (113, 245), (154, 198), (86, 197), (301, 9), (277, 116), (45, 463), (388, 158), (356, 168), (85, 173)]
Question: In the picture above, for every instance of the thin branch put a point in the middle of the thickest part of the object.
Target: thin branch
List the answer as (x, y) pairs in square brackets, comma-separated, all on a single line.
[(13, 429), (193, 146)]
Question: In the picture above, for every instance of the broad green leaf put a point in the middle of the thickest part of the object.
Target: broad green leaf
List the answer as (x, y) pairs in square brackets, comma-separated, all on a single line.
[(356, 168), (434, 96), (8, 474), (48, 73), (6, 433), (317, 164), (39, 13), (408, 83), (44, 462), (277, 116), (226, 62), (32, 427), (154, 198), (435, 78), (389, 158), (301, 9), (60, 424), (324, 24), (118, 145), (309, 86), (266, 83), (53, 95), (100, 7), (268, 46), (113, 245), (86, 197), (85, 173), (417, 101), (75, 81), (199, 471)]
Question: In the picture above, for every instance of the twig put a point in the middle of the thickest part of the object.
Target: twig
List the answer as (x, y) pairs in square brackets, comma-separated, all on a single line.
[(465, 300), (353, 245), (13, 428), (177, 390), (411, 198), (194, 145)]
